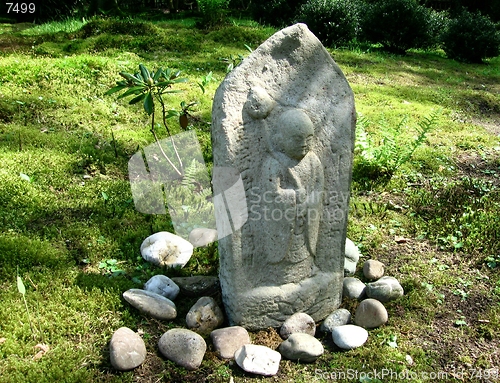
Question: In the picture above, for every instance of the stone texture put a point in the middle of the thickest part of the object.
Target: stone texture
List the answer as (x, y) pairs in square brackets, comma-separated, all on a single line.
[(184, 347), (353, 288), (339, 317), (256, 359), (204, 316), (198, 285), (349, 336), (301, 347), (162, 285), (370, 314), (228, 340), (351, 259), (126, 349), (385, 289), (151, 304), (201, 237), (282, 126), (373, 269), (166, 249), (298, 322)]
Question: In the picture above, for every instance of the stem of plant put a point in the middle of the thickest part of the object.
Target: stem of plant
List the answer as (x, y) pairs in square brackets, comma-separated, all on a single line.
[(171, 138), (159, 145)]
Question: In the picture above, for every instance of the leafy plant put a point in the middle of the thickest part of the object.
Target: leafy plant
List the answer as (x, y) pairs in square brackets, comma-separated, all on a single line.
[(471, 37), (381, 159), (111, 267), (22, 290)]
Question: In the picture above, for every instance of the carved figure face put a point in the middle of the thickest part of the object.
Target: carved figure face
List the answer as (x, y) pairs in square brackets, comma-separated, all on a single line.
[(296, 133)]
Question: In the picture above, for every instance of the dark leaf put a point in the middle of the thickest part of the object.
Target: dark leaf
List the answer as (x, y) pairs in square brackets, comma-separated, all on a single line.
[(137, 99), (149, 106)]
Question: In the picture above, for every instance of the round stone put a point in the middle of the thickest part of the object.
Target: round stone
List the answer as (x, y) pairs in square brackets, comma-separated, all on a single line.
[(353, 288), (204, 316), (351, 258), (228, 340), (162, 285), (339, 317), (370, 314), (151, 304), (184, 347), (166, 249), (298, 322), (301, 347), (127, 349), (197, 285), (201, 237), (373, 269), (258, 359), (349, 336), (385, 289)]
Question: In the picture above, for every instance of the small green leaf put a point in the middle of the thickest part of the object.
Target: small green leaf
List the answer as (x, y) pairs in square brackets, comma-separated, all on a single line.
[(144, 72), (158, 74), (132, 90), (137, 99), (104, 196), (25, 177), (115, 89), (20, 285), (149, 106)]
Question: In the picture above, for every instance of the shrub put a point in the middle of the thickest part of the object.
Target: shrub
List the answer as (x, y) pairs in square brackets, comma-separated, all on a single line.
[(397, 24), (334, 22), (277, 13), (213, 12), (471, 37)]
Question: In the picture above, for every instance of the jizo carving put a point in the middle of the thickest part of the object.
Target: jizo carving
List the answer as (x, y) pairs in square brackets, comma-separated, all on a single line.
[(283, 124)]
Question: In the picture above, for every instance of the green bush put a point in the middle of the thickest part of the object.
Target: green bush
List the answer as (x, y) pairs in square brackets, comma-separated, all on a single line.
[(471, 37), (397, 24), (278, 13), (213, 13), (112, 26), (334, 22)]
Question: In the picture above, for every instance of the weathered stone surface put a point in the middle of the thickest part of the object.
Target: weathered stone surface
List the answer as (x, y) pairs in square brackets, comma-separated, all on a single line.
[(162, 285), (385, 289), (151, 304), (298, 322), (127, 349), (166, 249), (373, 269), (201, 237), (204, 316), (370, 314), (258, 359), (353, 288), (352, 255), (184, 347), (339, 317), (228, 340), (349, 336), (198, 285), (301, 347), (283, 127)]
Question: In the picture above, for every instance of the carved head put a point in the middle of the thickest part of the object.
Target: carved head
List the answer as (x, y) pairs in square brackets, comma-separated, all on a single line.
[(294, 134)]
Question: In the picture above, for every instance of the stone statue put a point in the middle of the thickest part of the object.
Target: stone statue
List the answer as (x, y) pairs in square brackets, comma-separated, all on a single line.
[(283, 129)]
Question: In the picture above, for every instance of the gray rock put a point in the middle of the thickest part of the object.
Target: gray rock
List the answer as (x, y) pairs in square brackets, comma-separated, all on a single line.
[(151, 304), (166, 249), (339, 317), (162, 285), (201, 237), (385, 289), (349, 336), (184, 347), (127, 349), (373, 269), (351, 258), (353, 288), (258, 359), (301, 347), (228, 340), (204, 316), (370, 314), (298, 322), (198, 285), (289, 196)]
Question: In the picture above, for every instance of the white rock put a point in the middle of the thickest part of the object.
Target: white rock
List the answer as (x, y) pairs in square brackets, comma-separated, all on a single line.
[(339, 317), (201, 237), (351, 259), (228, 340), (298, 322), (258, 359), (127, 349), (204, 316), (151, 304), (162, 285), (301, 347), (349, 336), (353, 288), (166, 249), (184, 347)]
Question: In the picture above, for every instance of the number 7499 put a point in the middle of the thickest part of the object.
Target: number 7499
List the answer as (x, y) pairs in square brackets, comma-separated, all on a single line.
[(21, 7)]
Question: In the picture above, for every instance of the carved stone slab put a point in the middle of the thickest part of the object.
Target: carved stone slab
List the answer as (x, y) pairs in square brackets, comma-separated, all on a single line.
[(283, 127)]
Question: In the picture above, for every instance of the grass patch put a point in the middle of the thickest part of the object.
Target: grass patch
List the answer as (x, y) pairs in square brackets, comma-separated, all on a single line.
[(66, 207)]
